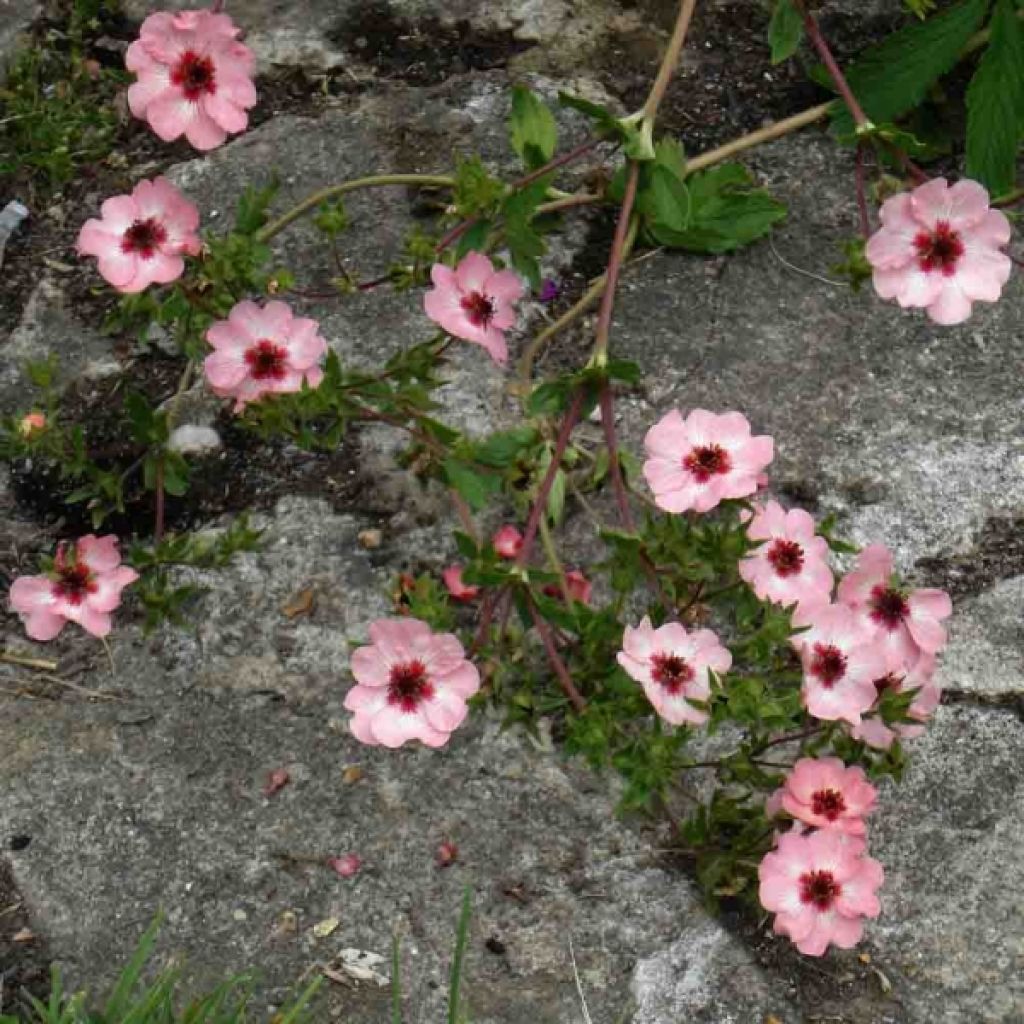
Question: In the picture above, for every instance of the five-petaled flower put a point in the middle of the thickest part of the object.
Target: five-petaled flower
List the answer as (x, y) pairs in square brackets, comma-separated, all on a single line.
[(900, 677), (84, 586), (411, 684), (823, 793), (140, 239), (906, 621), (263, 350), (697, 462), (939, 247), (840, 663), (791, 564), (820, 885), (674, 666), (474, 302), (194, 77)]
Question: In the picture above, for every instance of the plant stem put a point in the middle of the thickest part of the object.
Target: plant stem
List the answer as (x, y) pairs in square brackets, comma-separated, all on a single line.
[(158, 485), (834, 70), (862, 201), (564, 678), (670, 60), (17, 659), (573, 154), (541, 500), (789, 738), (333, 191), (618, 254), (548, 543), (1010, 198), (767, 134)]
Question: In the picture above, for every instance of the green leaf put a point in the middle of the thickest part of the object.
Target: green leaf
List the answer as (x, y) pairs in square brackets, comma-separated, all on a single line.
[(726, 211), (525, 244), (665, 201), (253, 206), (607, 123), (785, 31), (474, 239), (892, 77), (669, 153), (476, 191), (532, 128), (475, 487), (995, 104), (501, 450), (331, 218)]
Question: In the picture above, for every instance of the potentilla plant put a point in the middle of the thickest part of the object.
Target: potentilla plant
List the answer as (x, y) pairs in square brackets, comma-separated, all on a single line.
[(713, 609)]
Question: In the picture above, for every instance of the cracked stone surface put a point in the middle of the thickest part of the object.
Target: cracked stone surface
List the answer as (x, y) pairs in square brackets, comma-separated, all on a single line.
[(16, 16), (909, 432)]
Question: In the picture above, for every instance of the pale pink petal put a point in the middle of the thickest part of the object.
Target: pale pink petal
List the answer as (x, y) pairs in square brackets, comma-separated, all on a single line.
[(473, 272)]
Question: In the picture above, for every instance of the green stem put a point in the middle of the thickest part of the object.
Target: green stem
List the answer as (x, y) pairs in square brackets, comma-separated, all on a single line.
[(670, 60), (333, 191)]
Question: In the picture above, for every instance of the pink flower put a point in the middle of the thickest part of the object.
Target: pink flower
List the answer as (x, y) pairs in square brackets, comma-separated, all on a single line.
[(458, 590), (576, 583), (824, 793), (673, 667), (194, 77), (411, 684), (474, 302), (939, 247), (345, 866), (820, 887), (31, 424), (901, 678), (697, 462), (790, 566), (140, 238), (84, 587), (906, 621), (840, 663), (508, 542), (446, 854), (263, 351)]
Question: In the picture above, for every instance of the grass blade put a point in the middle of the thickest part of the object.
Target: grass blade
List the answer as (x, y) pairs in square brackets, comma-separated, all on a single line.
[(460, 952)]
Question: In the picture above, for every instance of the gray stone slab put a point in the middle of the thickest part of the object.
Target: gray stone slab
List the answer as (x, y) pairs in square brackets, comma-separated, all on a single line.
[(950, 837), (15, 18)]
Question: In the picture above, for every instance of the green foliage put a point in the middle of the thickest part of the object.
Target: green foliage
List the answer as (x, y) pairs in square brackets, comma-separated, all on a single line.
[(995, 103), (477, 192), (331, 218), (455, 1015), (785, 31), (891, 78), (253, 205), (525, 244), (134, 1000), (532, 128), (56, 117), (854, 267)]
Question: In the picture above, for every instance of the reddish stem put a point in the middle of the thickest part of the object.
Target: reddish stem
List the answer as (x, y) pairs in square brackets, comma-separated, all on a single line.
[(557, 664), (615, 258), (573, 154), (836, 73)]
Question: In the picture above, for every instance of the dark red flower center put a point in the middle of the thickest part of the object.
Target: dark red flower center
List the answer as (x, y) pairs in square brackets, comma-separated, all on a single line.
[(409, 685), (819, 888), (266, 360), (786, 557), (828, 664), (671, 671), (144, 237), (479, 309), (889, 682), (74, 583), (707, 461), (939, 249), (888, 607), (194, 75), (828, 803)]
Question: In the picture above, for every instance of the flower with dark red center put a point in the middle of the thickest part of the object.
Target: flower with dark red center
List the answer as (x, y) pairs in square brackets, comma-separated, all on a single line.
[(939, 247), (144, 237), (707, 461), (474, 302), (820, 886), (194, 75), (905, 622), (411, 684), (823, 793), (267, 360), (674, 667), (84, 586), (262, 351), (670, 671), (790, 564), (839, 660), (140, 239), (697, 462), (919, 679), (194, 78)]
